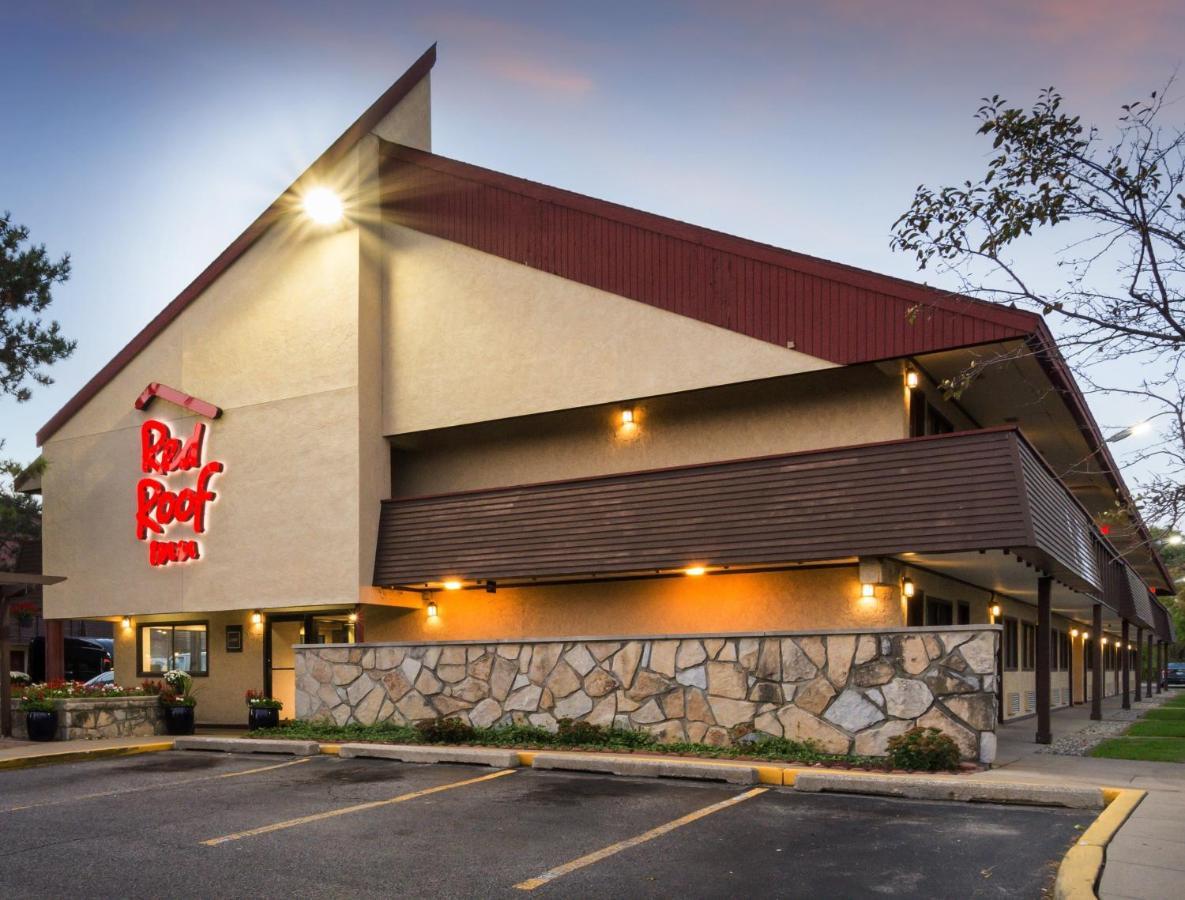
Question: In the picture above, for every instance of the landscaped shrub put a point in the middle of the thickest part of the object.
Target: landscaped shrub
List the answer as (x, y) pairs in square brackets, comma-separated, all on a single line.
[(571, 731), (923, 749), (445, 731)]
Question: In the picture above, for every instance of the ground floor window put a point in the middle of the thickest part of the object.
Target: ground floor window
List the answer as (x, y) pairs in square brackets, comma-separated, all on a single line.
[(1010, 650), (1029, 661), (166, 645)]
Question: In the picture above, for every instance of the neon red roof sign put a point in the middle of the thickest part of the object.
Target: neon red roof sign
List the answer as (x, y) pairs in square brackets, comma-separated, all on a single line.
[(161, 506)]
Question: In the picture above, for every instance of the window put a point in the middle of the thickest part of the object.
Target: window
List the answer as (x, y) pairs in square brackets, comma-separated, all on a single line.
[(1029, 650), (1010, 651), (964, 613), (915, 610), (939, 612), (924, 419), (173, 645), (1065, 648), (1055, 636)]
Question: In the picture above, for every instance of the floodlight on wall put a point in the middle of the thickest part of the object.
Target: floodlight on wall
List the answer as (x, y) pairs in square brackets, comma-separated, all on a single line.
[(323, 206), (627, 417), (907, 587)]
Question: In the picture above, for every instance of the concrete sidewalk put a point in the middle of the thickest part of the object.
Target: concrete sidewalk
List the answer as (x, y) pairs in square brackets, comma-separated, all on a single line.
[(1146, 859)]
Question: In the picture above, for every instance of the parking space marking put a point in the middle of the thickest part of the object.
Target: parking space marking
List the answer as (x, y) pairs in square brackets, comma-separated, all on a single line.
[(152, 787), (596, 856), (347, 810)]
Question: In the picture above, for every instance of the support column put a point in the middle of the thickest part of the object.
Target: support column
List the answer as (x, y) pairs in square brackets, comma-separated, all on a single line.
[(1070, 669), (5, 668), (1139, 661), (55, 650), (1153, 684), (1044, 587), (1096, 649), (1125, 661), (1164, 662)]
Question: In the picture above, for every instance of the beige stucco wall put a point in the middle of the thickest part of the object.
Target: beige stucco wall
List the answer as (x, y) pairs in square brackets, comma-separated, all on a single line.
[(781, 415), (273, 343), (822, 598), (472, 337), (220, 694)]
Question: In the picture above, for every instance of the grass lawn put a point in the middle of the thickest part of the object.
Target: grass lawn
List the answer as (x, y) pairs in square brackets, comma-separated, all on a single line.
[(1154, 749), (1169, 713), (1174, 728)]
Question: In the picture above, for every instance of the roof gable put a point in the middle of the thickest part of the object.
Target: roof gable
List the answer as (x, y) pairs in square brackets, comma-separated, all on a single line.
[(827, 310)]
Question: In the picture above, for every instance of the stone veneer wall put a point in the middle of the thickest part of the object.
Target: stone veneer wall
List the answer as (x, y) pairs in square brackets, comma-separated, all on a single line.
[(850, 692), (90, 719)]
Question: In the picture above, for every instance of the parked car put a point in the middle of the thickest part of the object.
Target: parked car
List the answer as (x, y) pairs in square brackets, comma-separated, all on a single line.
[(107, 677), (85, 657), (1174, 675)]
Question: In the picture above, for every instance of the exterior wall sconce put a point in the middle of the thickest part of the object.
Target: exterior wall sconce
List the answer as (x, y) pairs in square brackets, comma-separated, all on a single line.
[(452, 584), (432, 609), (995, 610), (911, 379), (627, 417), (353, 617), (1103, 640), (907, 587), (867, 590), (1073, 632), (257, 618), (695, 570), (126, 622)]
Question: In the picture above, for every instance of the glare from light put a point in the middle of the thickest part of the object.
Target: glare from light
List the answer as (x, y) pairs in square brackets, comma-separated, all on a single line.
[(694, 570), (452, 585), (1073, 632), (127, 622), (1175, 539), (323, 206), (867, 589), (1141, 428)]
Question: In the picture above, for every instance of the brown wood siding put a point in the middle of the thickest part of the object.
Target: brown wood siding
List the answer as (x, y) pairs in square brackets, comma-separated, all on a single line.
[(1140, 603), (1060, 527), (945, 494)]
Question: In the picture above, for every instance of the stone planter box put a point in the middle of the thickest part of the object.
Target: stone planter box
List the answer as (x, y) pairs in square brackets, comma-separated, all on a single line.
[(83, 719), (850, 692)]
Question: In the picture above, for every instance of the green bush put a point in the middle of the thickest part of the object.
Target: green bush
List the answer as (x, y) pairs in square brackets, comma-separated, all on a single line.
[(445, 731), (570, 731), (923, 749)]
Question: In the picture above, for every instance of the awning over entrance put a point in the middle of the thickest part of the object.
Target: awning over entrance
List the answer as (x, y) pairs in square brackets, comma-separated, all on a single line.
[(971, 491)]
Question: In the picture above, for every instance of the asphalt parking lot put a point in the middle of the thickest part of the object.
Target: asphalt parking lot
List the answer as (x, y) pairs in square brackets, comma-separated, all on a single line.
[(193, 824)]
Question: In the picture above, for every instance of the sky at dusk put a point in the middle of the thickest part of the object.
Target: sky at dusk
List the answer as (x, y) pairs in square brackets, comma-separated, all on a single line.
[(143, 137)]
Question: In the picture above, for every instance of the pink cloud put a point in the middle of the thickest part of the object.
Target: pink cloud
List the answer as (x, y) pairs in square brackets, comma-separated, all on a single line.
[(540, 76)]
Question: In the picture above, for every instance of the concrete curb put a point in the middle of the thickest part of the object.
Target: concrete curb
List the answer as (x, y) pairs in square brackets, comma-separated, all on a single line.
[(1083, 863), (480, 756), (67, 756), (964, 790), (646, 767), (248, 745)]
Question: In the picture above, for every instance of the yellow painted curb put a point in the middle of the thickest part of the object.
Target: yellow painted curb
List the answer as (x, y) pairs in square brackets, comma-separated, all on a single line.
[(1083, 864), (526, 757), (331, 749), (65, 756)]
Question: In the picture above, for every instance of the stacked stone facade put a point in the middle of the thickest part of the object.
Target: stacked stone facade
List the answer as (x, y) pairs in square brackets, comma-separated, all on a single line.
[(848, 692), (80, 719)]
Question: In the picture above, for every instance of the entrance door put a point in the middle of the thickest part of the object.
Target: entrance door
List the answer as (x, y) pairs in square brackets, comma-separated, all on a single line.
[(279, 660), (284, 634)]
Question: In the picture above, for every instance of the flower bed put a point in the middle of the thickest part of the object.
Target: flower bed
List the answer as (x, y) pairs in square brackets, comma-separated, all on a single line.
[(98, 711), (574, 736)]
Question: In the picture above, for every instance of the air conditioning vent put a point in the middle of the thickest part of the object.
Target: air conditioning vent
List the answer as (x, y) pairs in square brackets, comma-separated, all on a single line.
[(1030, 701), (1013, 704)]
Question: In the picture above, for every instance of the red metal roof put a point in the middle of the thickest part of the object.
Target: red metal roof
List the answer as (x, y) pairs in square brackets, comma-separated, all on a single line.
[(835, 312)]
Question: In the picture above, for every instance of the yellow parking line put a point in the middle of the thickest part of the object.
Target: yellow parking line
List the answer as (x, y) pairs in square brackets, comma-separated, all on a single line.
[(155, 786), (346, 810), (552, 874)]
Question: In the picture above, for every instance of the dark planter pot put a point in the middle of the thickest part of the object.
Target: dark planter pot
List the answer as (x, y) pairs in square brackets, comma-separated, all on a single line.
[(179, 720), (262, 718), (41, 725)]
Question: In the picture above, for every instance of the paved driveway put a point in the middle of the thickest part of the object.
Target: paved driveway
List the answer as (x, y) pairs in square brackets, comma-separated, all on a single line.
[(189, 824)]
